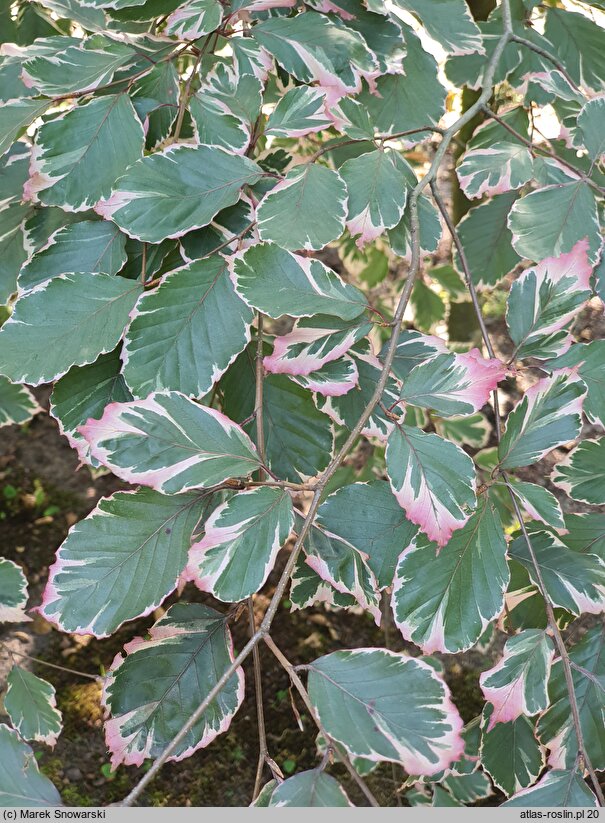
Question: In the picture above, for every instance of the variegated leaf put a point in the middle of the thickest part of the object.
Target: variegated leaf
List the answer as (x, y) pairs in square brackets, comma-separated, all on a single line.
[(386, 706), (121, 561), (31, 705), (307, 588), (510, 753), (277, 282), (306, 210), (13, 593), (15, 117), (346, 410), (549, 222), (298, 438), (582, 473), (433, 480), (444, 600), (83, 393), (556, 788), (89, 18), (14, 170), (413, 349), (589, 121), (453, 384), (170, 443), (487, 240), (585, 533), (197, 182), (383, 35), (194, 19), (76, 68), (77, 157), (312, 344), (589, 358), (467, 789), (72, 318), (301, 111), (377, 188), (336, 378), (555, 727), (21, 782), (429, 230), (538, 502), (240, 544), (412, 100), (171, 342), (343, 566), (579, 39), (368, 516), (17, 403), (501, 167), (154, 689), (548, 415), (311, 47), (544, 299), (216, 125), (310, 789), (450, 24), (250, 58), (516, 685), (472, 431), (87, 246), (573, 581)]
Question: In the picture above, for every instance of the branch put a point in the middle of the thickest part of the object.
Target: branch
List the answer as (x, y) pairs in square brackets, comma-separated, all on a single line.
[(552, 623), (298, 684), (258, 680), (95, 677), (335, 463)]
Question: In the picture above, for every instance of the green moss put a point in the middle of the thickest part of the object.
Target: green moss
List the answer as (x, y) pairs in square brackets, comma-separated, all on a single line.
[(81, 706), (72, 797)]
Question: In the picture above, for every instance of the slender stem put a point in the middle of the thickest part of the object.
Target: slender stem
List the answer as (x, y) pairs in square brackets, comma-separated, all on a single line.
[(552, 622), (545, 152), (96, 677), (258, 681), (281, 484), (263, 629), (260, 710), (465, 267), (186, 94), (304, 694), (522, 41), (144, 264), (258, 395)]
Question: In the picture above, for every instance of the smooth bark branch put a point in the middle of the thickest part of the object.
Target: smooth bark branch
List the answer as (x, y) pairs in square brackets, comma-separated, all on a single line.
[(552, 622), (335, 463)]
